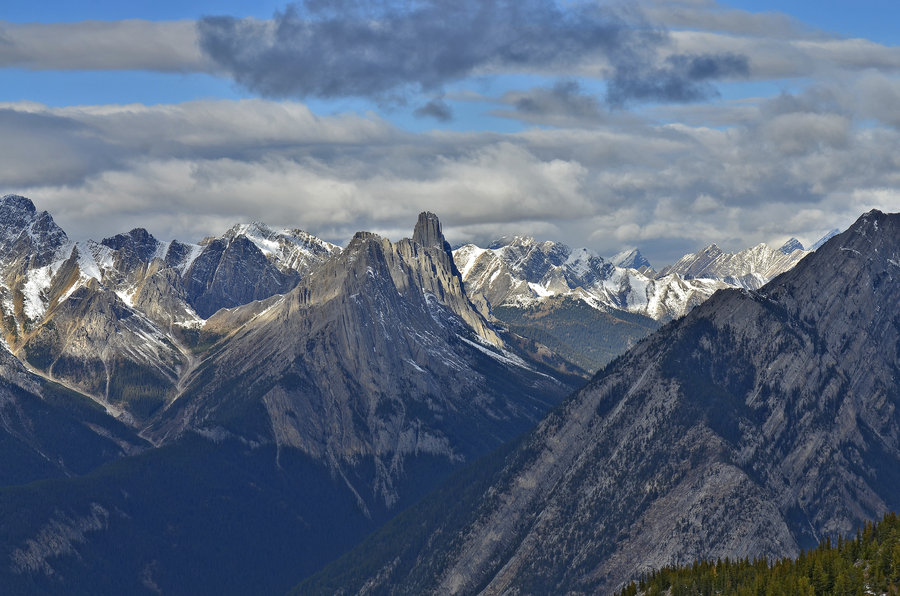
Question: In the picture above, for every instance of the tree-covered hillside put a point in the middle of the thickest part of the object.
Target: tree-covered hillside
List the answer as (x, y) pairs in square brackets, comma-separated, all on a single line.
[(867, 564)]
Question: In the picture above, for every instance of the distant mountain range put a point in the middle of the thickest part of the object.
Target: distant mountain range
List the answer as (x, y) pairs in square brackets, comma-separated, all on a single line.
[(569, 299)]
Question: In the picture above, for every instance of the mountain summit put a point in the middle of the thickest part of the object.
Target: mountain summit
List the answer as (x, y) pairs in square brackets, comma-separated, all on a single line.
[(427, 232)]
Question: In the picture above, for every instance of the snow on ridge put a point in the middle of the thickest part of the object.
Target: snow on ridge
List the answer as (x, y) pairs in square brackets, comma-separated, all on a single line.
[(162, 249), (127, 296), (196, 251), (540, 290), (502, 356), (470, 253), (579, 261), (37, 282), (88, 263)]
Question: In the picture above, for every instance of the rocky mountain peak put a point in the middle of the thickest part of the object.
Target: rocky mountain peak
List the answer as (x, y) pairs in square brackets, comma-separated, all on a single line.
[(360, 238), (630, 259), (790, 246), (17, 204), (138, 240), (18, 212), (428, 231), (24, 230)]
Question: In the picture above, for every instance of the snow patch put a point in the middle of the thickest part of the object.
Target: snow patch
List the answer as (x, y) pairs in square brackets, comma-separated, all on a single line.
[(540, 290), (33, 290), (470, 253), (87, 262), (414, 365), (127, 296), (196, 250), (502, 356)]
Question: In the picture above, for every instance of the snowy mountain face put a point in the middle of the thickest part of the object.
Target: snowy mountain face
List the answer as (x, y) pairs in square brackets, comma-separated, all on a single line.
[(750, 269), (825, 239), (520, 270), (524, 271), (631, 259), (531, 286), (790, 246)]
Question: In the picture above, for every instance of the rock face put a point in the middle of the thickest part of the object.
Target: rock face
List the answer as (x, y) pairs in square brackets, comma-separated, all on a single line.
[(756, 425), (48, 432)]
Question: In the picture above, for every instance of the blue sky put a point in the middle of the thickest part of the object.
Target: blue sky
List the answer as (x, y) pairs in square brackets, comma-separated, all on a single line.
[(665, 125)]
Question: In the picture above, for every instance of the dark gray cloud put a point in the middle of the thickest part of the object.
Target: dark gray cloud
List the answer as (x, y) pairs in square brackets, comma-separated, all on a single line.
[(683, 78), (437, 108), (563, 97), (563, 104), (327, 49)]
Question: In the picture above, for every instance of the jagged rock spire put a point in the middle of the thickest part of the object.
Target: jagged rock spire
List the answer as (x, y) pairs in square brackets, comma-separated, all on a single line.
[(428, 231)]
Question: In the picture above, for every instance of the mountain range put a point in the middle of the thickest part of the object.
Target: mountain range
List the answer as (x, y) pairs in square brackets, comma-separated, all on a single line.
[(589, 309), (264, 375), (758, 424), (231, 415)]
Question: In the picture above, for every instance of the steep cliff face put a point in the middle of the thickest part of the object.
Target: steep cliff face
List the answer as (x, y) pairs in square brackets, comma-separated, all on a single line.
[(375, 359), (756, 425)]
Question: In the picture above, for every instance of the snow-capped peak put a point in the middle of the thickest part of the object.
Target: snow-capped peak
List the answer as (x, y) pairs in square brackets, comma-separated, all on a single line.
[(790, 246), (630, 259)]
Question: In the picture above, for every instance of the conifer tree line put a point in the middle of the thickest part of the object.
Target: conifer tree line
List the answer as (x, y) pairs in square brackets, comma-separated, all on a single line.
[(867, 564)]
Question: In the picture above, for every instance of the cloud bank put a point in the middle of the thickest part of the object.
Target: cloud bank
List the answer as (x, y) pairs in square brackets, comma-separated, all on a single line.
[(796, 165)]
